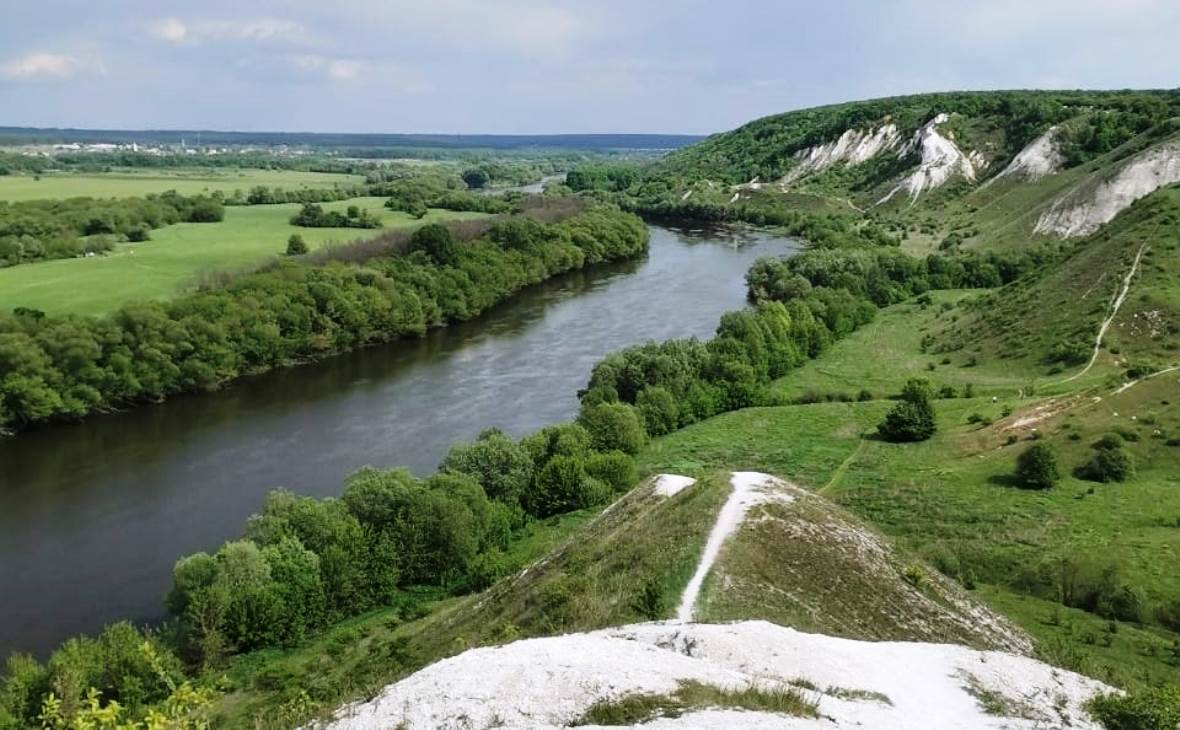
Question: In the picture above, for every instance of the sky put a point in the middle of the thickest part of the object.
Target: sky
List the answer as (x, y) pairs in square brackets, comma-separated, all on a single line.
[(546, 66)]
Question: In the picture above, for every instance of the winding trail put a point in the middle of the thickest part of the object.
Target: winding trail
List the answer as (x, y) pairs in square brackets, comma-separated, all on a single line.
[(1128, 385), (1114, 311), (843, 468), (749, 489)]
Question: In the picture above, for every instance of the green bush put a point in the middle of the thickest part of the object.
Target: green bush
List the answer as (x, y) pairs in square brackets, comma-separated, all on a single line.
[(296, 246), (1110, 462), (614, 427), (562, 485), (1036, 467), (436, 241), (614, 468), (1151, 709), (912, 419), (501, 466)]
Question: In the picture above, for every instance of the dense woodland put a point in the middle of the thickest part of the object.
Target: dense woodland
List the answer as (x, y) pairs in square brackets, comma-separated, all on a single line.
[(57, 368)]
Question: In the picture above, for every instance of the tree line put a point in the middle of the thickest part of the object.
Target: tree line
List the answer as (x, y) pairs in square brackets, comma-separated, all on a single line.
[(37, 230), (57, 368)]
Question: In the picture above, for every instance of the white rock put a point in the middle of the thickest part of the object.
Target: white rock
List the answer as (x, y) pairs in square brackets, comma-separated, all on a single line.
[(669, 485), (1040, 158), (547, 683), (1083, 210), (941, 160), (852, 147)]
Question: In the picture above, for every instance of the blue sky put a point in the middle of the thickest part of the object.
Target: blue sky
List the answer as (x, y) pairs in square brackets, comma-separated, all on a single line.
[(547, 66)]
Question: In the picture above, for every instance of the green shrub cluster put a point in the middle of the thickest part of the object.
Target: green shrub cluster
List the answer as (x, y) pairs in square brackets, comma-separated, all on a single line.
[(61, 368), (886, 276), (1150, 709), (37, 230), (678, 382), (912, 419), (1109, 463), (115, 663), (314, 216)]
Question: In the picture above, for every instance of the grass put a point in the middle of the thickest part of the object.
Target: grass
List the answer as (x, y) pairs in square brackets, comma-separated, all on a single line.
[(950, 500), (177, 256), (139, 181), (637, 709)]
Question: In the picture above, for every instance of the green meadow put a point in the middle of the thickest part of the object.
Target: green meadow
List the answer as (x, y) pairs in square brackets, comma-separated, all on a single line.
[(177, 256), (140, 181)]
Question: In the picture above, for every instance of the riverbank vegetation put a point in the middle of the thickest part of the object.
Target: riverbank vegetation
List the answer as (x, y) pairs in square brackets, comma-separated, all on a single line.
[(66, 367)]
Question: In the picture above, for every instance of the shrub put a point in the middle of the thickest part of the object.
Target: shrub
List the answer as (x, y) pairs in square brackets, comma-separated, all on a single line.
[(501, 466), (138, 234), (435, 241), (613, 427), (564, 485), (913, 418), (613, 468), (296, 246), (1110, 463), (650, 603), (1036, 467), (658, 407), (1152, 709)]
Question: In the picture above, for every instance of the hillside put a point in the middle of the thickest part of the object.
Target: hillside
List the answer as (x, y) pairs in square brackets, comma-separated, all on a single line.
[(817, 563), (972, 169)]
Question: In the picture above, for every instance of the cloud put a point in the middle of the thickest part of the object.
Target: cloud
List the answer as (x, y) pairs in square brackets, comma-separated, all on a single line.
[(530, 28), (41, 66), (260, 30), (336, 69)]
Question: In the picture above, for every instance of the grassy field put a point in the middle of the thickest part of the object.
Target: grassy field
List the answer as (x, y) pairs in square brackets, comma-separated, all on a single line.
[(188, 181), (177, 255), (950, 499)]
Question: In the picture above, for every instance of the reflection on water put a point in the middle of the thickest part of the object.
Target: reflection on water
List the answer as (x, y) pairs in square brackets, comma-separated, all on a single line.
[(93, 515)]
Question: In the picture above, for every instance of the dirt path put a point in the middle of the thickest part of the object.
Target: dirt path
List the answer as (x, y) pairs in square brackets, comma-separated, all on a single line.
[(749, 489), (843, 468), (1114, 311)]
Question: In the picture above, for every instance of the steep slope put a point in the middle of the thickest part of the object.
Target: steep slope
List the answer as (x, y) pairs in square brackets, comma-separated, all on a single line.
[(754, 673), (992, 168), (1111, 302), (1100, 198), (786, 555)]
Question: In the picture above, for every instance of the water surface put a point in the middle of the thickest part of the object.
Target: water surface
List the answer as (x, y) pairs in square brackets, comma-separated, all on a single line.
[(93, 515)]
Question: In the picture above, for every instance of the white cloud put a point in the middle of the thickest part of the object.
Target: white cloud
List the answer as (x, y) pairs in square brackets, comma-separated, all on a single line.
[(532, 28), (41, 66), (177, 31), (337, 69), (390, 76)]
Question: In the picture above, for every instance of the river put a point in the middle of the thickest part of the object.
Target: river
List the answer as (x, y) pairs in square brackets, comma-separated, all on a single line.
[(93, 515)]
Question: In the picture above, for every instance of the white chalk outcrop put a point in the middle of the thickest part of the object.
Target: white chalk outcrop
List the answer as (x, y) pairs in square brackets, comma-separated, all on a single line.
[(669, 485), (941, 160), (852, 147), (550, 682), (1040, 158), (1084, 209)]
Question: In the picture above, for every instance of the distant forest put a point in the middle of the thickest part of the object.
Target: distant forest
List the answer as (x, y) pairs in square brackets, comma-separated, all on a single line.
[(32, 135)]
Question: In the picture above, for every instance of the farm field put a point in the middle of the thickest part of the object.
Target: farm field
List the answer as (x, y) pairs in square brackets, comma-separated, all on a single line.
[(178, 255), (140, 181)]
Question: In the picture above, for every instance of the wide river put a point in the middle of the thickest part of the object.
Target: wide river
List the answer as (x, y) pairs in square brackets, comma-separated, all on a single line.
[(93, 515)]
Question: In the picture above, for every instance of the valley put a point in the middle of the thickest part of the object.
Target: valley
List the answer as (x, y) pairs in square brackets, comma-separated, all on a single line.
[(878, 383)]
